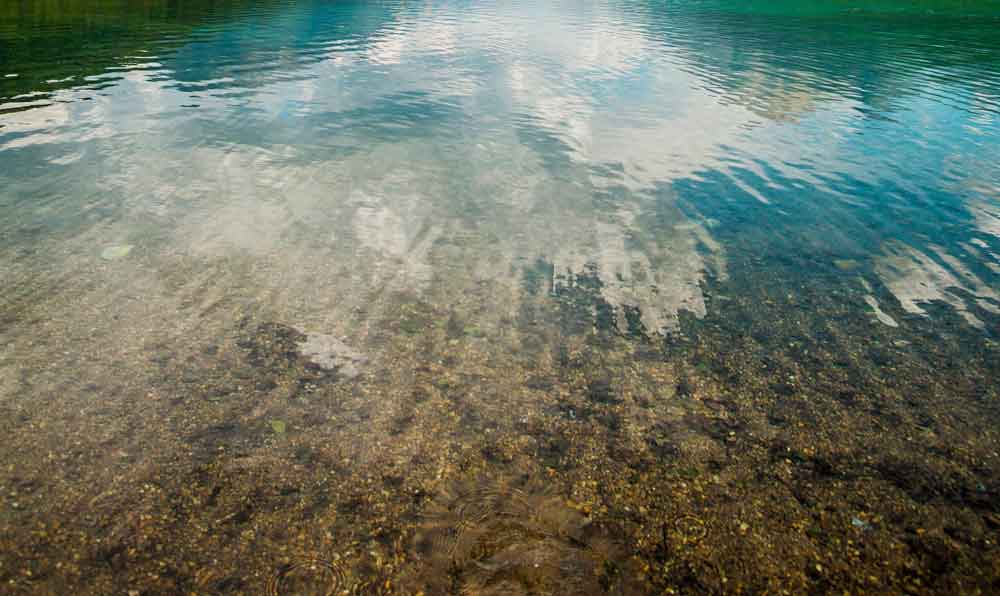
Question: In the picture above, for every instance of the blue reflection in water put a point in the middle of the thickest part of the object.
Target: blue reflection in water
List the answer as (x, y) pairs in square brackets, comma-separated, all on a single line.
[(865, 134)]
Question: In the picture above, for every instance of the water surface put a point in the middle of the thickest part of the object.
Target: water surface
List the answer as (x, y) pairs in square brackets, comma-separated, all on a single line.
[(499, 298)]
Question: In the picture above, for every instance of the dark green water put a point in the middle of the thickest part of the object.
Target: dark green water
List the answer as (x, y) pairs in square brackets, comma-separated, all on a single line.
[(308, 296)]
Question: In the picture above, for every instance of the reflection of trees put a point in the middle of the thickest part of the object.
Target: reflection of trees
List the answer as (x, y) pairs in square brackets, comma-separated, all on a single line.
[(281, 42), (53, 44), (773, 56), (57, 44)]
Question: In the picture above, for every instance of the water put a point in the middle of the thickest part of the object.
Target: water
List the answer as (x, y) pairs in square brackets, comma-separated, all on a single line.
[(303, 296)]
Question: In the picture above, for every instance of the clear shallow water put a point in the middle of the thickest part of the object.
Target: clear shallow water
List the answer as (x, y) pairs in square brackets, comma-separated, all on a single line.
[(500, 298)]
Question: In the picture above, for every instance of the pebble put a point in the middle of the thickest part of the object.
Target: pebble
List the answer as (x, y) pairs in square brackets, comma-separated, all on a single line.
[(112, 253)]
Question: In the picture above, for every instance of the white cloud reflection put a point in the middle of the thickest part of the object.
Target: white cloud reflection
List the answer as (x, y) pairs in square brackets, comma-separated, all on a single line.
[(489, 101)]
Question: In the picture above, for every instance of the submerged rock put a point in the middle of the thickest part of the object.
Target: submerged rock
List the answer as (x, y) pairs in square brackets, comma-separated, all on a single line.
[(120, 251), (846, 264), (330, 353)]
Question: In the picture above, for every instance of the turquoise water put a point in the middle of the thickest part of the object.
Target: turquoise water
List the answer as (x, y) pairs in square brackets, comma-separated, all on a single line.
[(296, 292)]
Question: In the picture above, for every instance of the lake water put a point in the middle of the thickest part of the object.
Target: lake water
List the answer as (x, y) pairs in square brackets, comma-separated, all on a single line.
[(522, 297)]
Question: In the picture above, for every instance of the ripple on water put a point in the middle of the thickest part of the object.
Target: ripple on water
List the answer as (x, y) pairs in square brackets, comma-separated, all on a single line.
[(480, 219)]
